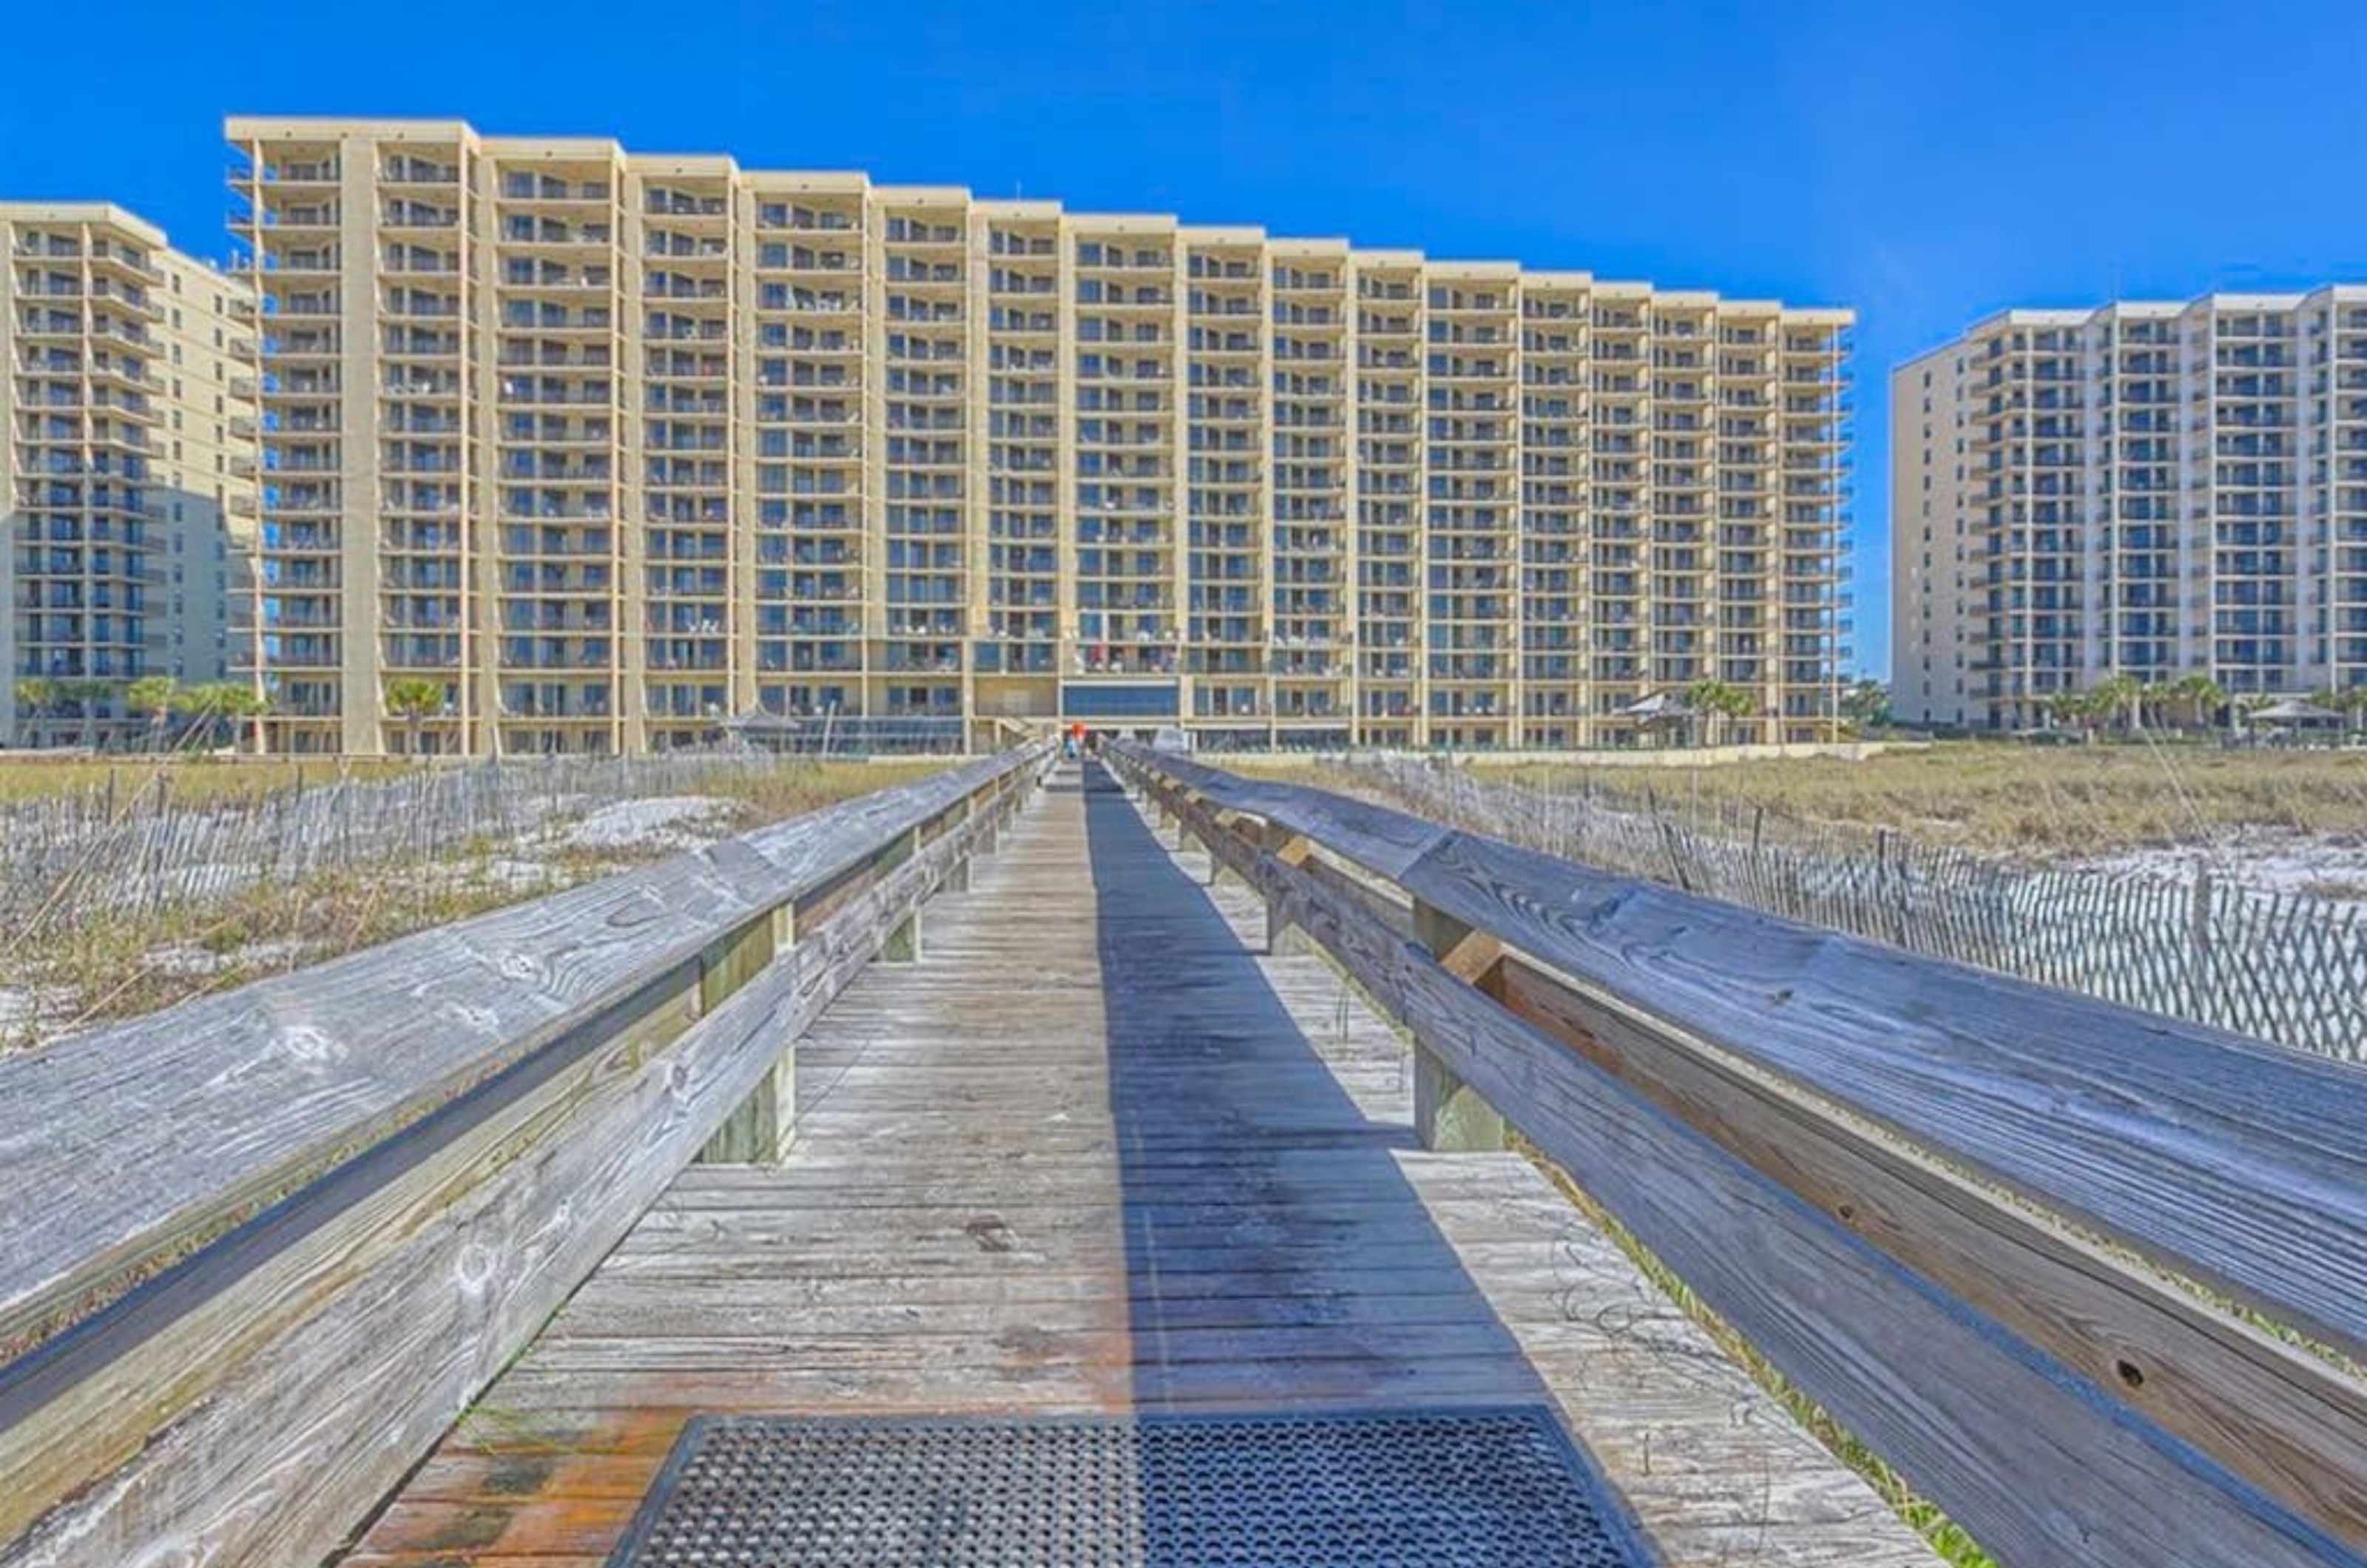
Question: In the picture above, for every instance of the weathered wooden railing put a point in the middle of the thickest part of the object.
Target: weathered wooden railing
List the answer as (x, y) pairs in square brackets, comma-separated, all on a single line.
[(259, 1251), (1949, 1205)]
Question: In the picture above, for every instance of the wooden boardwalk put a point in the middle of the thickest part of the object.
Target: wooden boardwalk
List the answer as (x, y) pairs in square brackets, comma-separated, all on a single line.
[(1098, 1152)]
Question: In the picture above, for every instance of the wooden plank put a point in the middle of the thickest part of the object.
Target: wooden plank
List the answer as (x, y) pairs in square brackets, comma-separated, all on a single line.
[(2233, 1162), (206, 1112), (761, 1126), (1374, 836), (2286, 1420), (2033, 1463), (2221, 1157), (83, 1403), (267, 1466), (1098, 1153)]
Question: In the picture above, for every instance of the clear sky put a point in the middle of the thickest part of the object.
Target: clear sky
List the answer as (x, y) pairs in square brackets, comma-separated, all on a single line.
[(1925, 163)]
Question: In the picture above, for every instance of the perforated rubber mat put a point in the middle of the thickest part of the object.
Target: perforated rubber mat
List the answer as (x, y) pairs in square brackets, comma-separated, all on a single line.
[(1490, 1488)]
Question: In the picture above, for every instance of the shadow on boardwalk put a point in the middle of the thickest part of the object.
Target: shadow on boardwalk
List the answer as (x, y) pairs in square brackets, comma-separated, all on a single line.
[(1277, 1253)]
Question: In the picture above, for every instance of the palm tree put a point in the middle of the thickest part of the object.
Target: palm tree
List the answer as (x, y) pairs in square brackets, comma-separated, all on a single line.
[(218, 704), (2343, 700), (2199, 697), (208, 706), (153, 695), (36, 695), (86, 696), (254, 707), (1702, 701), (1866, 703), (198, 707), (1738, 704), (245, 703), (2069, 707), (1714, 700), (414, 699), (2121, 696)]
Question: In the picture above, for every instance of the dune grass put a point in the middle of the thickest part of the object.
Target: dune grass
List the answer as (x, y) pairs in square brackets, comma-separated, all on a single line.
[(62, 980), (2040, 802), (189, 778)]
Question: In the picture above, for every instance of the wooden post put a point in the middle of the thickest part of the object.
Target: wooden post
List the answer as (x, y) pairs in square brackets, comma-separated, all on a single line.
[(1448, 1115), (902, 945), (1218, 872), (2198, 958), (957, 874), (1284, 939), (761, 1128)]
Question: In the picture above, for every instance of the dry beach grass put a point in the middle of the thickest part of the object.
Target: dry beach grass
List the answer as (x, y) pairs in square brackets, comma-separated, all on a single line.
[(74, 977), (2041, 802)]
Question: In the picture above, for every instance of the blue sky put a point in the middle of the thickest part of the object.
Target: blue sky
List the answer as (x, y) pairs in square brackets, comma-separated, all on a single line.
[(1923, 163)]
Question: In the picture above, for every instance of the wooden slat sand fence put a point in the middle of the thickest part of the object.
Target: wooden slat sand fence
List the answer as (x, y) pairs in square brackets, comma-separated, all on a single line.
[(106, 850)]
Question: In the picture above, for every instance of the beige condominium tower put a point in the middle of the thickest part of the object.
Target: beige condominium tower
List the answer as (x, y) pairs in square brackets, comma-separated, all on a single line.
[(128, 464), (621, 450), (2150, 489)]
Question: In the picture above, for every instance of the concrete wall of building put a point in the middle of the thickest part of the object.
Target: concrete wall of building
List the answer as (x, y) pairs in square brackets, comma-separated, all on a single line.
[(127, 463), (2159, 490), (796, 443)]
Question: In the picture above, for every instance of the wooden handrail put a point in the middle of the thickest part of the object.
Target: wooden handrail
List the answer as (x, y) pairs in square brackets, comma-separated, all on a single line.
[(266, 1246), (1925, 1192)]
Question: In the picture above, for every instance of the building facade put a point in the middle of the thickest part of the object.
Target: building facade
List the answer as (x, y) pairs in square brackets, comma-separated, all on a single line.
[(617, 448), (2154, 490), (129, 468)]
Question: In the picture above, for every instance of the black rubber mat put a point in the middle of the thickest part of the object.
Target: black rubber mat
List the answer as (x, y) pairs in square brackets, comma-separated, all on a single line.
[(1488, 1488)]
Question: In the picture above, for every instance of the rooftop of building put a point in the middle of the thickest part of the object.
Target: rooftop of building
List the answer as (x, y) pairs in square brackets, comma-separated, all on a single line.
[(2217, 302), (328, 131)]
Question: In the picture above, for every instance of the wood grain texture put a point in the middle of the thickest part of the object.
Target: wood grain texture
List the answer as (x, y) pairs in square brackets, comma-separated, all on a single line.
[(2287, 1427), (1095, 1151), (2287, 1421), (2039, 1467), (214, 1411), (2232, 1162), (216, 1106), (2235, 1162)]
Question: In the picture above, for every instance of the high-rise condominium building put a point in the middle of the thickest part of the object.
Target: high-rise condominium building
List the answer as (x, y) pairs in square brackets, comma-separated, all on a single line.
[(128, 464), (616, 449), (2149, 490)]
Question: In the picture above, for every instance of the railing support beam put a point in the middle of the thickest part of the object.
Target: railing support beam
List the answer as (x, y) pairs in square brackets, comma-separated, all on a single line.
[(902, 944), (1448, 1115), (761, 1128), (956, 878), (1284, 939), (1218, 872)]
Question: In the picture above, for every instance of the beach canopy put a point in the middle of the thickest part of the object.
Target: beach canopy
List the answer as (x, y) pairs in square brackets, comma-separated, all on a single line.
[(2294, 710), (1659, 705)]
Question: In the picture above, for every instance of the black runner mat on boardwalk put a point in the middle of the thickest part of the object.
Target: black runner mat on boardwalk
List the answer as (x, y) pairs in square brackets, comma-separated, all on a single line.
[(1500, 1488)]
